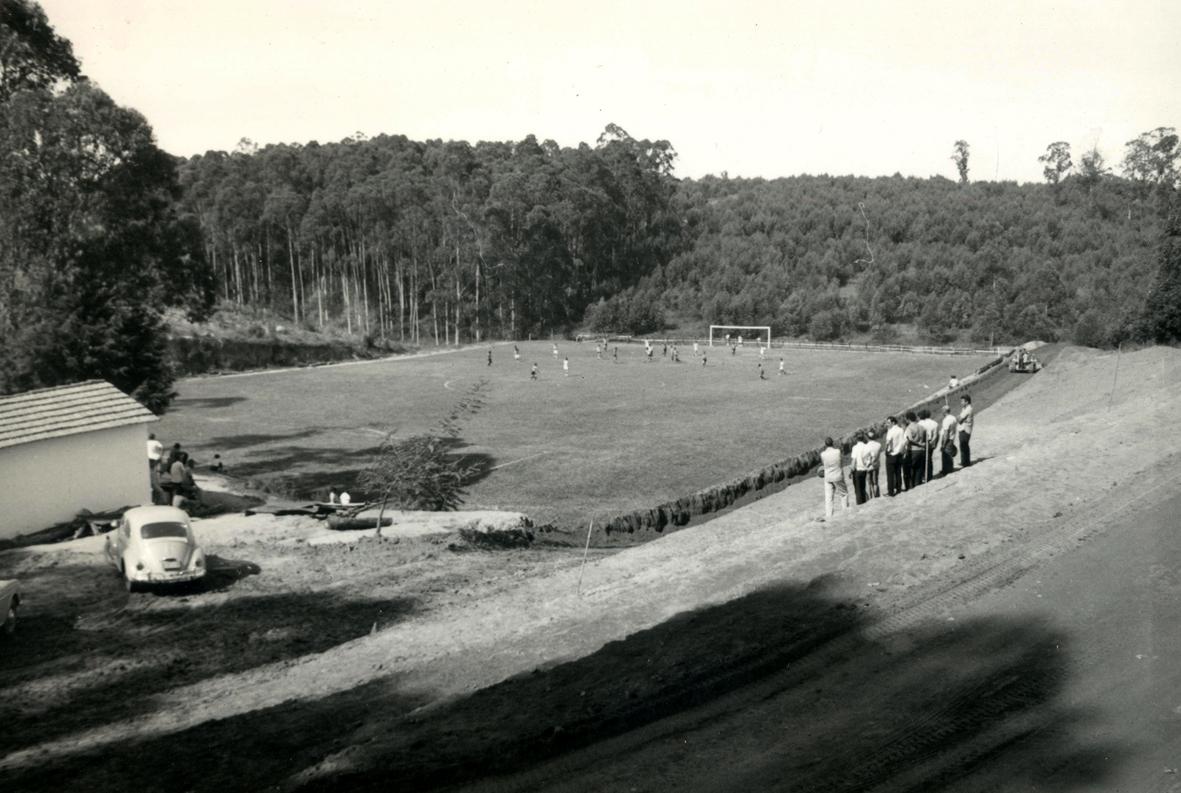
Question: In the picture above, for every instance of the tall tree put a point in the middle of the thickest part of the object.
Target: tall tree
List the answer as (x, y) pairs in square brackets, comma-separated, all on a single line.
[(960, 157), (1151, 158), (32, 55), (1056, 161), (1162, 309), (92, 248)]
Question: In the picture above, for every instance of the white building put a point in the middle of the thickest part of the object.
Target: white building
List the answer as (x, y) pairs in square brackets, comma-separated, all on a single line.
[(70, 448)]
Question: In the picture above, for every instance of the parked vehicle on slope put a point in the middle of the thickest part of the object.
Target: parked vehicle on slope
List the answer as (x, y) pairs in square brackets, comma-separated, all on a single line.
[(155, 545), (1024, 362), (10, 601)]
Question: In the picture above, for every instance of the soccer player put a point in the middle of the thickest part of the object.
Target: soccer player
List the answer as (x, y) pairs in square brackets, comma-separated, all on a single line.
[(781, 369), (555, 350), (489, 356), (533, 371), (762, 374), (695, 349), (704, 358), (516, 353), (649, 353), (615, 354), (566, 365)]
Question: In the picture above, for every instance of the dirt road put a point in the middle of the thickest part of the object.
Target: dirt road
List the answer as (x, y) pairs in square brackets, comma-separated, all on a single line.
[(1012, 626)]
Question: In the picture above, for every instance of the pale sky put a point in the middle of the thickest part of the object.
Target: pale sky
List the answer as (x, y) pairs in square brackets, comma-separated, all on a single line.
[(751, 87)]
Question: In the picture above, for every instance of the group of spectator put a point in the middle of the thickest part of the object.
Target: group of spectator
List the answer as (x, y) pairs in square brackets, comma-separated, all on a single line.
[(171, 474), (912, 441)]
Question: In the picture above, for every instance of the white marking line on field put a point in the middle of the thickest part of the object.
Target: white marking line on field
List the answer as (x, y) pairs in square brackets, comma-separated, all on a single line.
[(518, 460)]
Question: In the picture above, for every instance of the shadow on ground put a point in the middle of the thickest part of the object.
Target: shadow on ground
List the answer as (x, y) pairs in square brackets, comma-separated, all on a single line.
[(309, 472), (778, 690), (206, 403), (77, 669)]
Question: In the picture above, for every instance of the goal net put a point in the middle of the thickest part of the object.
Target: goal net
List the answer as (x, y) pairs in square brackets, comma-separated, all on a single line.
[(754, 334)]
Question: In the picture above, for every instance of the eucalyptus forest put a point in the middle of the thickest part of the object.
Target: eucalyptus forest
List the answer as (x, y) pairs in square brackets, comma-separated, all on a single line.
[(438, 242)]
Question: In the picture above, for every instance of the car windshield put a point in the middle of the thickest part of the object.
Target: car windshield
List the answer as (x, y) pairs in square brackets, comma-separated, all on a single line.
[(151, 531)]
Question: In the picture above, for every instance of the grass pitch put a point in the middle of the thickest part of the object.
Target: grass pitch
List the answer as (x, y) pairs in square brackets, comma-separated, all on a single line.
[(609, 437)]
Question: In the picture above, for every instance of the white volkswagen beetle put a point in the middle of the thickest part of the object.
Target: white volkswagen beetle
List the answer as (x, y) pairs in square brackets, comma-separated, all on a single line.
[(155, 545)]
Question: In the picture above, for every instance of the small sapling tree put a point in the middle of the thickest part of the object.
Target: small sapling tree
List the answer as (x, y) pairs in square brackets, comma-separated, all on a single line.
[(421, 471)]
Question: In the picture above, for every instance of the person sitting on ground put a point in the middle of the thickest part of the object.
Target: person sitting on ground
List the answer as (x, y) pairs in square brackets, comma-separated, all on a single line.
[(834, 477)]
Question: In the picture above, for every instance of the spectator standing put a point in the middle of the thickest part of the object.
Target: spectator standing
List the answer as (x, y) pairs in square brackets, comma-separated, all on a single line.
[(834, 477), (947, 437), (176, 475), (860, 471), (966, 424), (873, 457), (155, 449), (931, 434), (895, 454), (916, 450)]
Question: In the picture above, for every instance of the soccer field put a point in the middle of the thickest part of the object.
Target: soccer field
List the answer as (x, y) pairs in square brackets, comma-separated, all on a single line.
[(609, 437)]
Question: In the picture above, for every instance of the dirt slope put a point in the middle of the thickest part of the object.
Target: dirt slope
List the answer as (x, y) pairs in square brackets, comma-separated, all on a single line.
[(761, 650)]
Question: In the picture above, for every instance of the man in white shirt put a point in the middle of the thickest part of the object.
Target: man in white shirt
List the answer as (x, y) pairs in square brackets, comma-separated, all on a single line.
[(860, 470), (155, 449), (966, 422), (895, 446), (872, 462), (834, 477), (947, 438), (930, 429)]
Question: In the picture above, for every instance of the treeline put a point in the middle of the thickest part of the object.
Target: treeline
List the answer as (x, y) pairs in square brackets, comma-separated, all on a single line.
[(434, 241), (986, 262), (444, 242)]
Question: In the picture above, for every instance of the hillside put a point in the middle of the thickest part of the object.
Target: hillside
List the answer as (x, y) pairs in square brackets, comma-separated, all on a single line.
[(1011, 625)]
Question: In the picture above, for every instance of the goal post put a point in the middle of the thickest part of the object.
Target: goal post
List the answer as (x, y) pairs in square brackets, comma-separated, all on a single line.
[(759, 333)]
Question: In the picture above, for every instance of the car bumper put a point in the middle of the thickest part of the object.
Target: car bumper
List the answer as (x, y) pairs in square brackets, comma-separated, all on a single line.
[(177, 577)]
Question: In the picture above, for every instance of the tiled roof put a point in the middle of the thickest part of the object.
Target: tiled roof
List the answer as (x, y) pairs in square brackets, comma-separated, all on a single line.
[(67, 410)]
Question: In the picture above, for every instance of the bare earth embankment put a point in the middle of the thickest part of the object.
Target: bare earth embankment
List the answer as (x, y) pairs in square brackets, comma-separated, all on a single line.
[(1014, 626)]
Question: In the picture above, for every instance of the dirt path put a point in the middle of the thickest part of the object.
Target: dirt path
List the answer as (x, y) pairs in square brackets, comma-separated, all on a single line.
[(762, 650)]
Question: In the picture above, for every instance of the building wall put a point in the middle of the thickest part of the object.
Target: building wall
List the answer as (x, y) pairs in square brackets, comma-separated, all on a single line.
[(50, 481)]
